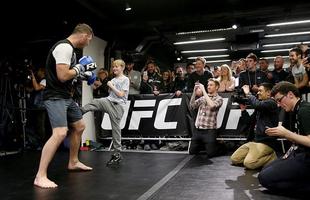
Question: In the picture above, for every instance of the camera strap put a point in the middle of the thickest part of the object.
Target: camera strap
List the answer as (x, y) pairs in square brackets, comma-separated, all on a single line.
[(249, 77), (294, 146)]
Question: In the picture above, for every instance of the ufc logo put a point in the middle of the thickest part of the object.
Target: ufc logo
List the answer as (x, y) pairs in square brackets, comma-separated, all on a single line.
[(137, 115), (230, 123)]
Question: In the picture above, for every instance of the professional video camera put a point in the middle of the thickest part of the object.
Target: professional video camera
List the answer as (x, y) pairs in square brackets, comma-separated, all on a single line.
[(18, 70), (239, 97), (22, 72)]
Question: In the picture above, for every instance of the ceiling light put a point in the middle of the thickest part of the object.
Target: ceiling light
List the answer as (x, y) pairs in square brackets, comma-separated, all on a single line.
[(204, 31), (218, 61), (274, 50), (204, 51), (128, 8), (256, 30), (207, 57), (273, 57), (199, 41), (289, 23), (285, 44), (288, 34), (212, 61)]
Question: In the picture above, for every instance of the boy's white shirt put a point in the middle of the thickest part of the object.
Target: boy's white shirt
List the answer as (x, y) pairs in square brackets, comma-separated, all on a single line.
[(121, 83)]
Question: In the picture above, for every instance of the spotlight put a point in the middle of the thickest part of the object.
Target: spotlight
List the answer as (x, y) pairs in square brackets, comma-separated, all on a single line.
[(289, 23), (234, 26), (128, 8)]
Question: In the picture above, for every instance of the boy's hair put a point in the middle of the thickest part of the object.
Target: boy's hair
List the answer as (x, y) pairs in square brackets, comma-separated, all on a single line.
[(119, 62), (284, 87)]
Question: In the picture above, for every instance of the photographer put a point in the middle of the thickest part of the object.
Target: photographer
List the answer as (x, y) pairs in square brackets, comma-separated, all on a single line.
[(38, 86), (40, 115), (208, 104), (290, 174), (261, 151)]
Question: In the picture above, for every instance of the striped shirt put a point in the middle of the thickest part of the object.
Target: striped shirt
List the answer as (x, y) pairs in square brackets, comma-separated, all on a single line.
[(207, 115)]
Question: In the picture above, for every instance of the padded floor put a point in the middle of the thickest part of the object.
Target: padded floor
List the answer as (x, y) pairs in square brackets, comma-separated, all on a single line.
[(135, 175), (138, 174), (214, 179)]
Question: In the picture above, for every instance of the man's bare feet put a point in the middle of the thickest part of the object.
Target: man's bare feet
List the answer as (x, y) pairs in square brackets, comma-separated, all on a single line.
[(44, 182), (78, 167)]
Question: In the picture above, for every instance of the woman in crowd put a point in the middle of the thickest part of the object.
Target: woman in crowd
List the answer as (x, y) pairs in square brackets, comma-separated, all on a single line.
[(227, 81), (166, 84)]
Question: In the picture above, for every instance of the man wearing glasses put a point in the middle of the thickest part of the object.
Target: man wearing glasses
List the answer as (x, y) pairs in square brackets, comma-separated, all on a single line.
[(291, 173)]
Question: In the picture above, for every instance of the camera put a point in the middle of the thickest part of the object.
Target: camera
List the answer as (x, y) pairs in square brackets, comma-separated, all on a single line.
[(22, 73), (239, 97)]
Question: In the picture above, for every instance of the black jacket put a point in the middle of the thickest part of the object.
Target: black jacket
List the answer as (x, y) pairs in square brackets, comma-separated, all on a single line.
[(148, 87), (252, 78), (267, 115), (203, 79)]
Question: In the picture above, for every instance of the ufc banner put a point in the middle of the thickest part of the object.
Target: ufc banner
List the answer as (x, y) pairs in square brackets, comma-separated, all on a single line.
[(167, 115)]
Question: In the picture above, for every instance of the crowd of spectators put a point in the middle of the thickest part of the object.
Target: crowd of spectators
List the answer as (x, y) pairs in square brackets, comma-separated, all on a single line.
[(252, 71)]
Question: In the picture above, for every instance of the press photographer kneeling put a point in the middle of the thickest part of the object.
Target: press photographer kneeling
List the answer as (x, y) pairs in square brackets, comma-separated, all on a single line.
[(261, 151)]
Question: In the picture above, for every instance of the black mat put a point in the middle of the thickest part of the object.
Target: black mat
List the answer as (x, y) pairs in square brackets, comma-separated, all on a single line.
[(136, 174), (199, 179), (214, 179)]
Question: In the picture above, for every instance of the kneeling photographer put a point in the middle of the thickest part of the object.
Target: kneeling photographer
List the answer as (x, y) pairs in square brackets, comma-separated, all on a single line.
[(259, 152)]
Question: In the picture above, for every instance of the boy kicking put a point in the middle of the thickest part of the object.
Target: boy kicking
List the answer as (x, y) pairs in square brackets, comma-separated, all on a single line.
[(118, 94)]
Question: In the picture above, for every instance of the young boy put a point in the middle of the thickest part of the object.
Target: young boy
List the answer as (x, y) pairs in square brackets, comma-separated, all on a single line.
[(118, 94)]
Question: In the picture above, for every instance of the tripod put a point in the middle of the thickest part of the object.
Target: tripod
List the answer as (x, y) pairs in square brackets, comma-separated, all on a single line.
[(22, 108), (7, 121), (5, 88)]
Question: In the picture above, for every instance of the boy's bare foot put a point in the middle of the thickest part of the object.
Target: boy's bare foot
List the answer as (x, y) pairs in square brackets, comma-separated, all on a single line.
[(78, 167), (44, 182)]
